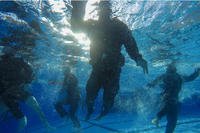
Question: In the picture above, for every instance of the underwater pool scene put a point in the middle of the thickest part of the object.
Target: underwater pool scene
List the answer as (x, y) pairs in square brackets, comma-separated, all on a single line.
[(66, 66)]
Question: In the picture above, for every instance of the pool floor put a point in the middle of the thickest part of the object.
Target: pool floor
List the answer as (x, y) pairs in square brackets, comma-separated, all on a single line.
[(123, 123)]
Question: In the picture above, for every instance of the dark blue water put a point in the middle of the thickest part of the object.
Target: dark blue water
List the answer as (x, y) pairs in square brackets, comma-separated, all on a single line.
[(164, 31)]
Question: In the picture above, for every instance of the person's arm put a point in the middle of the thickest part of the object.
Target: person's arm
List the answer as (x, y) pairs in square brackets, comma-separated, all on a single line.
[(78, 12), (191, 77), (132, 49), (155, 81)]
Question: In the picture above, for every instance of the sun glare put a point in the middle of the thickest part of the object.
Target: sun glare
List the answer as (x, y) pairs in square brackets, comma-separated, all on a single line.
[(83, 40), (57, 6), (91, 11)]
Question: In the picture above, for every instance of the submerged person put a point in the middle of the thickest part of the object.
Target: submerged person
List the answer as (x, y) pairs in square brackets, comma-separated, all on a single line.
[(107, 35), (172, 83), (15, 74), (71, 97)]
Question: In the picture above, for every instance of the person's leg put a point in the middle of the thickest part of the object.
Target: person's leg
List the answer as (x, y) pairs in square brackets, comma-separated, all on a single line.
[(92, 89), (60, 109), (72, 113), (162, 112), (172, 117), (111, 88), (159, 115), (32, 102)]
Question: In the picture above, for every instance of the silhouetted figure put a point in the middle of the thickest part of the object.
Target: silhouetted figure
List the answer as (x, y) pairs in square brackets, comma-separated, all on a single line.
[(172, 83), (72, 97), (107, 36), (14, 75)]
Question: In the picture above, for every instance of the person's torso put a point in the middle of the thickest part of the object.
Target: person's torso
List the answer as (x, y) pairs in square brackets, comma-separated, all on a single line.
[(71, 87), (106, 41), (172, 86)]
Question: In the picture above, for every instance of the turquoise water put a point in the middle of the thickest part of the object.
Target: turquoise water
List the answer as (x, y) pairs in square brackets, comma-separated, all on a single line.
[(164, 31)]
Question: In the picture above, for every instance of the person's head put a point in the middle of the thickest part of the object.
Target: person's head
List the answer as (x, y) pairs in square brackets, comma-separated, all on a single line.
[(171, 68), (105, 10)]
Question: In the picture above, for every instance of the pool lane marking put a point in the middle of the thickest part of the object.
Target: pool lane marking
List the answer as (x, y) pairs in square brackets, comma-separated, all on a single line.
[(102, 126), (163, 126), (134, 131), (92, 124)]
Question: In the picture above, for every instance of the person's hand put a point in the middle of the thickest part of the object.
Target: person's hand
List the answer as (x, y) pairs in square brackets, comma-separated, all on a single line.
[(143, 63)]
